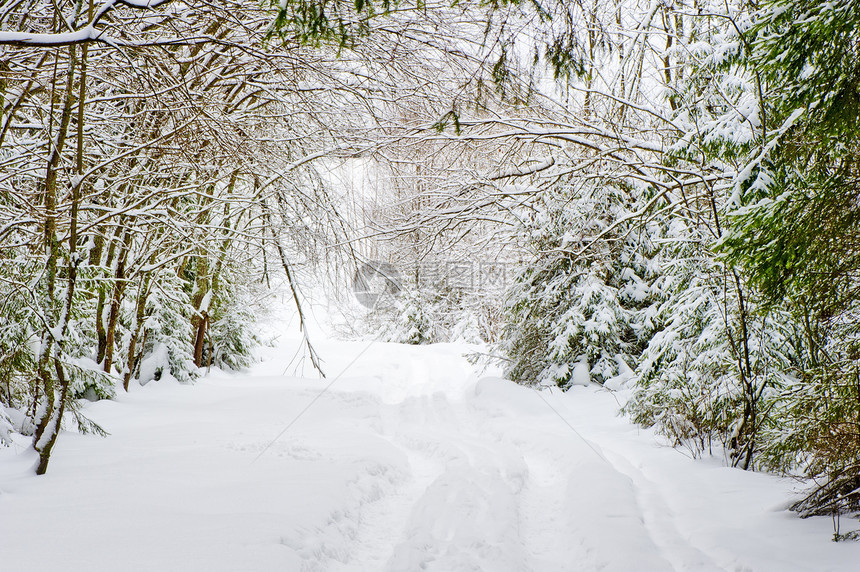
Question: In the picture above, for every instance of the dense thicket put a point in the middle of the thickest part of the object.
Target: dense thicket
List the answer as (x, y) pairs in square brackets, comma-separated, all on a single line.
[(132, 185), (738, 233), (795, 235)]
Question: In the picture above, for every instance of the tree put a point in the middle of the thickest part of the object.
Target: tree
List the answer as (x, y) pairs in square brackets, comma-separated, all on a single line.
[(796, 231), (573, 320)]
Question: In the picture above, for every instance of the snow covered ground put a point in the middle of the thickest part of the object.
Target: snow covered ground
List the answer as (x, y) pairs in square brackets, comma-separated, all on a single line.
[(409, 462)]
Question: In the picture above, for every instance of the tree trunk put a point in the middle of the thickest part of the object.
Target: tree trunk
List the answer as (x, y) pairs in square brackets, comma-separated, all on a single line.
[(101, 316), (49, 424), (200, 302), (118, 290), (139, 317)]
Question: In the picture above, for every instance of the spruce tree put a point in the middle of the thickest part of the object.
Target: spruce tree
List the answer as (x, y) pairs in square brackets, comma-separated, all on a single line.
[(571, 317)]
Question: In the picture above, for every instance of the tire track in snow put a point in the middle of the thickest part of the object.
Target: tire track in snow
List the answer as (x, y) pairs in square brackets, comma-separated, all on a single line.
[(658, 519), (421, 427), (488, 491), (377, 521), (579, 514), (382, 524), (546, 530), (661, 522), (458, 511), (462, 511), (579, 511)]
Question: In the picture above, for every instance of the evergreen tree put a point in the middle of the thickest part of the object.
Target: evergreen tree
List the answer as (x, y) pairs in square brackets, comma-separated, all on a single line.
[(167, 333), (572, 317), (797, 231)]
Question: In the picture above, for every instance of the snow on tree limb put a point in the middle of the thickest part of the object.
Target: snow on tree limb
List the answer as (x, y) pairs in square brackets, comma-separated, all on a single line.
[(88, 33)]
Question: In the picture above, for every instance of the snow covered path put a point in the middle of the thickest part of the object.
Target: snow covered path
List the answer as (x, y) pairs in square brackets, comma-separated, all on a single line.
[(409, 462)]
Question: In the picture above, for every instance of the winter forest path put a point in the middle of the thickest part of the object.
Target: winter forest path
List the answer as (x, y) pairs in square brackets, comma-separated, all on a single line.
[(410, 461)]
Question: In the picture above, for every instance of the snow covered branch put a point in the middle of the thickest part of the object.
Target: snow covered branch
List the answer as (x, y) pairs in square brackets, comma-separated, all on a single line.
[(87, 33)]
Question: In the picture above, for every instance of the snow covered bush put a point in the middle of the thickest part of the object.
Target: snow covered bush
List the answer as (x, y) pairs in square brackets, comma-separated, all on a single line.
[(819, 432), (783, 128), (231, 336), (17, 367), (167, 334), (683, 383), (413, 323), (424, 315), (439, 309), (715, 366)]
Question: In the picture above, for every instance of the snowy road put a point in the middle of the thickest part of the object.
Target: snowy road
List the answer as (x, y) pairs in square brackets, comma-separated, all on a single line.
[(409, 462)]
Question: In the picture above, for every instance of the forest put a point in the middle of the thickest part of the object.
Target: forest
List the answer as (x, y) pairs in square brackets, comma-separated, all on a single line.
[(655, 195)]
